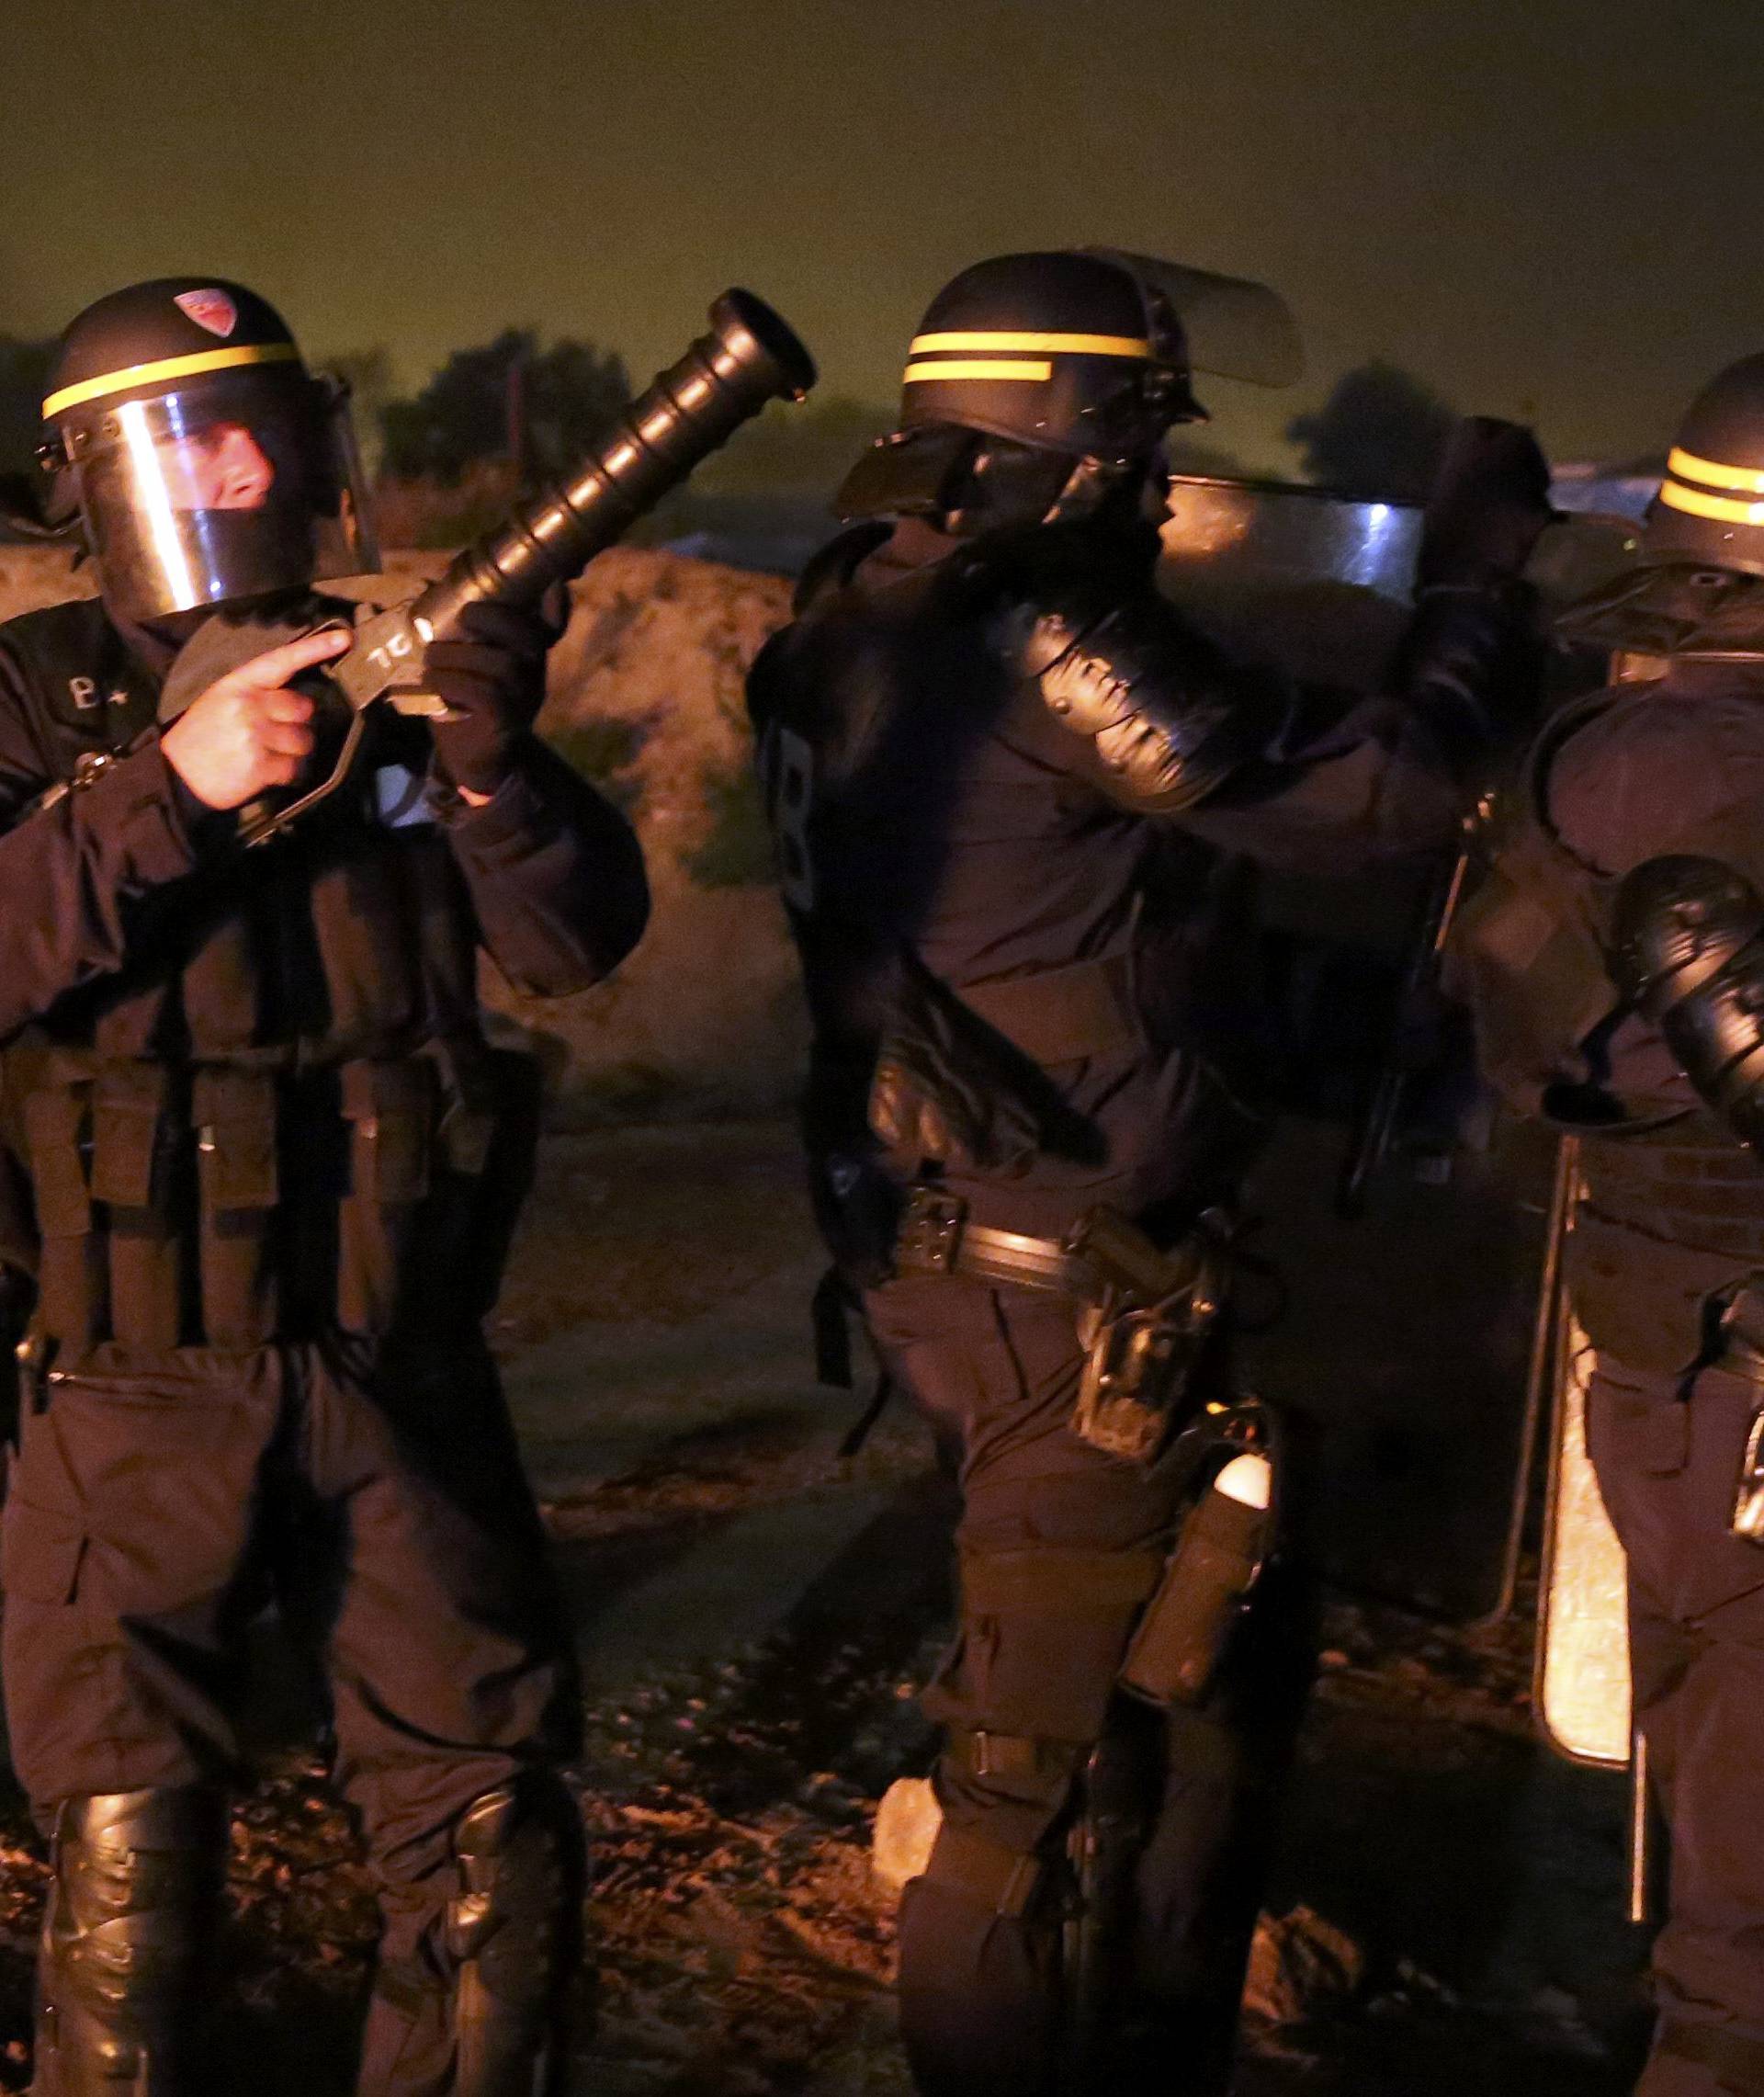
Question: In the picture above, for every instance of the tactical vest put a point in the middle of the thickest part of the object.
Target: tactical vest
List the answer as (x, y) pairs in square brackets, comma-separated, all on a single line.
[(1122, 936), (1671, 1209), (280, 1117)]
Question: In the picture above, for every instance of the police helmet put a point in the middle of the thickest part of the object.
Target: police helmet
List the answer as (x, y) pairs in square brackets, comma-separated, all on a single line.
[(1075, 361), (1710, 508), (208, 464), (1059, 351)]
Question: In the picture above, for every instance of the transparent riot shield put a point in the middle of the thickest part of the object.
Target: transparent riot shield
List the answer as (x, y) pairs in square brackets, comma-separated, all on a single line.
[(1405, 1336), (1581, 1688)]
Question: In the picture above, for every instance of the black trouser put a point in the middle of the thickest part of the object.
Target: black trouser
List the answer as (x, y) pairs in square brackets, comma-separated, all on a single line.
[(1668, 1459), (996, 1372), (157, 1501)]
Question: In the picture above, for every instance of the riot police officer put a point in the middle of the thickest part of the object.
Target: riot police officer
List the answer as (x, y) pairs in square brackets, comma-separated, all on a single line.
[(1614, 960), (270, 1159), (1010, 787)]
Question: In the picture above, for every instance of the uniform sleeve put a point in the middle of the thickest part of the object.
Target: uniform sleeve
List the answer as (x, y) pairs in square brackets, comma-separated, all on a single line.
[(1662, 787), (1304, 777), (555, 875), (72, 874), (1348, 780)]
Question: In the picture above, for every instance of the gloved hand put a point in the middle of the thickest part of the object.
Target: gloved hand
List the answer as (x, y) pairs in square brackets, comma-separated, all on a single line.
[(1490, 500), (493, 676)]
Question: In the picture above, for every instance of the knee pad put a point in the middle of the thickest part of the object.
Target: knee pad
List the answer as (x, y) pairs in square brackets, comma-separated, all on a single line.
[(513, 1927)]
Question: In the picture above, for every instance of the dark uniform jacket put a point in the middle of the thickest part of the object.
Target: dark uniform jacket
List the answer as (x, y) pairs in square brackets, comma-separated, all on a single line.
[(240, 1080), (1673, 1208), (950, 850)]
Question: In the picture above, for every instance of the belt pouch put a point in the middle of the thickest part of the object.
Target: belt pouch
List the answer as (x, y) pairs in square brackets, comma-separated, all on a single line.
[(73, 1298), (131, 1168), (234, 1114), (391, 1112), (480, 1171)]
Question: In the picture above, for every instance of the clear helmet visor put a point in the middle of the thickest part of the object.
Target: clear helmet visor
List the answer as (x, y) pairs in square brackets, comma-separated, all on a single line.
[(222, 492), (1234, 327)]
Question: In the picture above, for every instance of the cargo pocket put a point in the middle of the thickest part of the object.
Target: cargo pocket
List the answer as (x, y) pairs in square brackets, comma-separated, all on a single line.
[(391, 1110), (130, 1167), (235, 1118), (73, 1281), (1640, 1302), (1046, 1632), (41, 1553), (1641, 1433)]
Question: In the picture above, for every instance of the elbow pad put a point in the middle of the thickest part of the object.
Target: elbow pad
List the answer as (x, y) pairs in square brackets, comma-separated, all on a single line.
[(1690, 953), (1171, 719)]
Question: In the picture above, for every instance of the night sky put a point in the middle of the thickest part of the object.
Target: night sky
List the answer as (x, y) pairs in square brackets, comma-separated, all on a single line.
[(1552, 206)]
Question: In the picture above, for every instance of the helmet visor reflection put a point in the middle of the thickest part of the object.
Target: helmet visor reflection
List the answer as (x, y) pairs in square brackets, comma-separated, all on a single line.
[(203, 497)]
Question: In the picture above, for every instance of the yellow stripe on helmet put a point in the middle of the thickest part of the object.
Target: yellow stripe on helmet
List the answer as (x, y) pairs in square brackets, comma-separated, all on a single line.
[(1724, 509), (167, 368), (1040, 345), (1713, 473), (981, 368)]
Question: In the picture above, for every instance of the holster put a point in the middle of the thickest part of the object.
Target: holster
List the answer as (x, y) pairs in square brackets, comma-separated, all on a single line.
[(1146, 1324), (1144, 1315)]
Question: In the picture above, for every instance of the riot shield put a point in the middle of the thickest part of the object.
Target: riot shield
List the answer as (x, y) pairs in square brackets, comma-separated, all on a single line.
[(1404, 1340), (1581, 1685), (1406, 1336), (1315, 582)]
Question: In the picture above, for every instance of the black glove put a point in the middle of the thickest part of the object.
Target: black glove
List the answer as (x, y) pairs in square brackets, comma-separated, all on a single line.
[(1490, 500), (492, 675)]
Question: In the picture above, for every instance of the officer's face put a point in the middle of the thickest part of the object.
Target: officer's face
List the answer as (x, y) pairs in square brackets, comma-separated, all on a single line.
[(220, 467)]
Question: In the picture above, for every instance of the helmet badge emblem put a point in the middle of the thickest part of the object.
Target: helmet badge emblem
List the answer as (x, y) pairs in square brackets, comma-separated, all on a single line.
[(209, 309)]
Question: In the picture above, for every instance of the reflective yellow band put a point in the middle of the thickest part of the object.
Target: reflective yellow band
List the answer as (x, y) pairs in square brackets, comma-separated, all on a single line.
[(981, 368), (1039, 344), (168, 367), (1722, 508), (1713, 473)]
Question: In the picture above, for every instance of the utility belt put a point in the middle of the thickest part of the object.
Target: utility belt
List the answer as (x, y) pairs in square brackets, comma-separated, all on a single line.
[(1144, 1314), (228, 1206), (1670, 1220)]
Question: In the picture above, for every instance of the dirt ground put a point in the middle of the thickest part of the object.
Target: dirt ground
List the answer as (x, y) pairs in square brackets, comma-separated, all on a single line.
[(756, 1612)]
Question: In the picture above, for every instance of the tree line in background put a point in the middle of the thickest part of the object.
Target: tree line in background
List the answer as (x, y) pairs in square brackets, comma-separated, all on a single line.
[(504, 415)]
